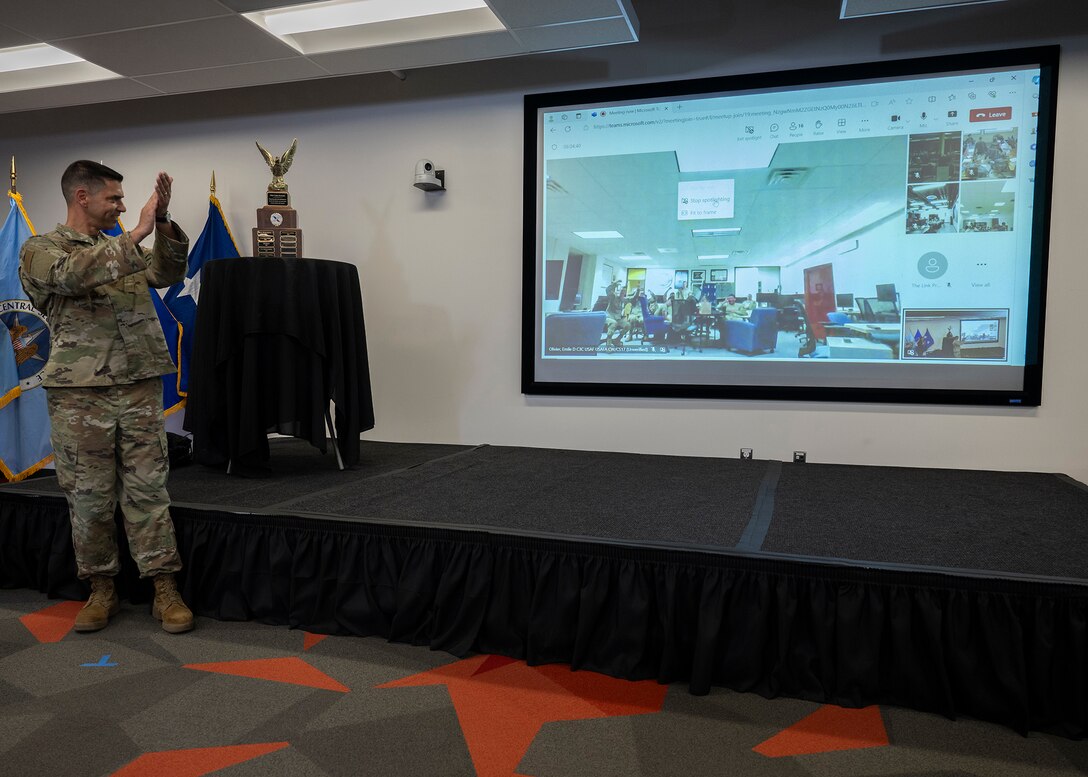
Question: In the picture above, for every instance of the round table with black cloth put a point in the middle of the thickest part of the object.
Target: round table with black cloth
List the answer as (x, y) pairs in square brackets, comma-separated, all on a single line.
[(276, 341)]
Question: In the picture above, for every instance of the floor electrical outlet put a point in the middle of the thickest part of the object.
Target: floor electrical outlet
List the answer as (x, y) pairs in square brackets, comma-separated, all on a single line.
[(799, 457), (746, 453)]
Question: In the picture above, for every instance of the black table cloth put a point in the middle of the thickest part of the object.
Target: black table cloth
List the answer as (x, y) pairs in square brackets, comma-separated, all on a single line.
[(276, 341)]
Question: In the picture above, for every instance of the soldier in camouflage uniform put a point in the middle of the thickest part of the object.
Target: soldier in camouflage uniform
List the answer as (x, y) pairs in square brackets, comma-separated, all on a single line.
[(103, 382)]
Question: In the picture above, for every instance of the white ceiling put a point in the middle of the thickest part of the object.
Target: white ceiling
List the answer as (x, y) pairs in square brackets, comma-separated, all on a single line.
[(636, 195), (179, 46)]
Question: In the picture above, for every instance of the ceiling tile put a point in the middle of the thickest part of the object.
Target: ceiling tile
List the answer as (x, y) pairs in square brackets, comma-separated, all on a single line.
[(396, 31), (203, 45), (233, 76), (75, 94), (184, 46), (247, 6), (517, 13), (69, 18), (571, 36), (10, 37), (488, 45)]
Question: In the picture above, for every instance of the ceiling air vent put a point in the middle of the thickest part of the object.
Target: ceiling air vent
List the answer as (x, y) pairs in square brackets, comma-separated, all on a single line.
[(787, 176), (554, 186)]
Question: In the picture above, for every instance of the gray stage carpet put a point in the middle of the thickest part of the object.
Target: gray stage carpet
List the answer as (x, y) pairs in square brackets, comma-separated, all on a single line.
[(991, 524)]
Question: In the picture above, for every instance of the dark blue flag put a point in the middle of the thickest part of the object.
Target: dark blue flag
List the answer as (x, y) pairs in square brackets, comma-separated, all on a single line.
[(927, 340), (215, 242)]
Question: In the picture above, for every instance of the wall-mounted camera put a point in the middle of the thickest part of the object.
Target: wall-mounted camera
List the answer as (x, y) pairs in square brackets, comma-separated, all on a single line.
[(428, 178)]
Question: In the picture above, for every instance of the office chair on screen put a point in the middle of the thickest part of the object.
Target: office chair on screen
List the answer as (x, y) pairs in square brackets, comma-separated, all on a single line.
[(683, 323), (836, 325), (877, 311), (653, 327), (806, 338), (758, 334)]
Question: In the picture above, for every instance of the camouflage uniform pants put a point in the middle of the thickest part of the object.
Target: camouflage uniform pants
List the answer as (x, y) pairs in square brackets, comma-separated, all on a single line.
[(110, 448)]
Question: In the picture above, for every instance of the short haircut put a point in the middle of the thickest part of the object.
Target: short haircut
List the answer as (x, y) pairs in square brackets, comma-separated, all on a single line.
[(88, 175)]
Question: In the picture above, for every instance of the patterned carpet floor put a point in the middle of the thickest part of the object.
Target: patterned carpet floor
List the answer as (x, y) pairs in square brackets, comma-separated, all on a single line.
[(245, 699)]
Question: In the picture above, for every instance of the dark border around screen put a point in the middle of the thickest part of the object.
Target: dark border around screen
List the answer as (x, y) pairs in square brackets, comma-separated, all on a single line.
[(1045, 57)]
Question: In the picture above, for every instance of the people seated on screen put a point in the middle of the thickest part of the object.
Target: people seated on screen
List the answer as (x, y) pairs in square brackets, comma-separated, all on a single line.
[(993, 158), (657, 305), (993, 225), (633, 310), (664, 308), (734, 309), (615, 322)]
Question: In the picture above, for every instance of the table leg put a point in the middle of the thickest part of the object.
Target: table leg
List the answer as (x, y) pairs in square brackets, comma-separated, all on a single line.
[(332, 434)]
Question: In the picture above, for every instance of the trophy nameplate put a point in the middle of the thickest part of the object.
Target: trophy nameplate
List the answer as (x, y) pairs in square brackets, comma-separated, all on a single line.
[(277, 233)]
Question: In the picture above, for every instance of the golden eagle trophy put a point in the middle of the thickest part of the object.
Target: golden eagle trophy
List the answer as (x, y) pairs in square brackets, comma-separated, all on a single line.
[(277, 232)]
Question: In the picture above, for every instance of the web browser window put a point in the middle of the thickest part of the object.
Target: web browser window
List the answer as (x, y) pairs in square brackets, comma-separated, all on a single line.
[(839, 234)]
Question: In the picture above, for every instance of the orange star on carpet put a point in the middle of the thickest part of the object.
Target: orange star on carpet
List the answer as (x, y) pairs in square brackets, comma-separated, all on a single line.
[(501, 703), (194, 762), (828, 729), (52, 624), (279, 670), (309, 640)]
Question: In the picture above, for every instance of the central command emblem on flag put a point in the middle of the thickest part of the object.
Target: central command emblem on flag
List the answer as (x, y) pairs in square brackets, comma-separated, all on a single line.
[(29, 334)]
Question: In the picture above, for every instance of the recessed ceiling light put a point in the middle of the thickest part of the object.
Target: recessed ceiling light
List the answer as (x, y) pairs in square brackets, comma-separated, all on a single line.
[(852, 9), (668, 250), (338, 25), (310, 17), (602, 235), (721, 232), (712, 257), (36, 55), (40, 65)]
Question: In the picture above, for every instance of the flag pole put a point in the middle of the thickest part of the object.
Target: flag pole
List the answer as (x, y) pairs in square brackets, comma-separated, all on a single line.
[(14, 175), (213, 184)]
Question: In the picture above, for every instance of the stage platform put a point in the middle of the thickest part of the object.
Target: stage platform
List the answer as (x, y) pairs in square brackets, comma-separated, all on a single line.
[(960, 592)]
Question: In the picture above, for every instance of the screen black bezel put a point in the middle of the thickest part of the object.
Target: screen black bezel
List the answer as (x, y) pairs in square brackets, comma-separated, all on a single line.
[(1030, 395)]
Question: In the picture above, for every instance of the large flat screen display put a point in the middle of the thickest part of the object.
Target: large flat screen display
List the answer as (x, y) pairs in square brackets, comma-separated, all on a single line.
[(870, 232)]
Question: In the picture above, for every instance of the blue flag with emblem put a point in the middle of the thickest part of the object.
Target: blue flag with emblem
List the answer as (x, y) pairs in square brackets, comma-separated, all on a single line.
[(171, 330), (9, 369), (215, 242), (24, 350)]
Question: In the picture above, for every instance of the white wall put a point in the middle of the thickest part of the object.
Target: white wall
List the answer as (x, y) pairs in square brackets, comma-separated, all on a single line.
[(441, 278)]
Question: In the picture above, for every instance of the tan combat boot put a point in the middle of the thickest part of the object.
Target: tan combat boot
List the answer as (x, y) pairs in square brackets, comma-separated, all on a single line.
[(100, 607), (168, 606)]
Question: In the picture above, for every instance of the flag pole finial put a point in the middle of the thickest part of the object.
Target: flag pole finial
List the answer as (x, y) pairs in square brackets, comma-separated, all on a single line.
[(14, 175), (213, 183)]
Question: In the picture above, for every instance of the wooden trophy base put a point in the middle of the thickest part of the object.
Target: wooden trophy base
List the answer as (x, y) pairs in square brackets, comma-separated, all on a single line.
[(272, 242), (277, 233)]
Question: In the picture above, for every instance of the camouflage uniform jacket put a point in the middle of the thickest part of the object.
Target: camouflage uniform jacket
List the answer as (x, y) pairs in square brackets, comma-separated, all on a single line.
[(94, 293)]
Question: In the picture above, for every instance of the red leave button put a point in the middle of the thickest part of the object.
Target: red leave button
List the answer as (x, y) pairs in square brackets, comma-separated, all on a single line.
[(991, 114)]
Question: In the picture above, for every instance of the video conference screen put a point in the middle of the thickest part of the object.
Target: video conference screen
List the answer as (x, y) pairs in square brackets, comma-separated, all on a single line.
[(861, 233)]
